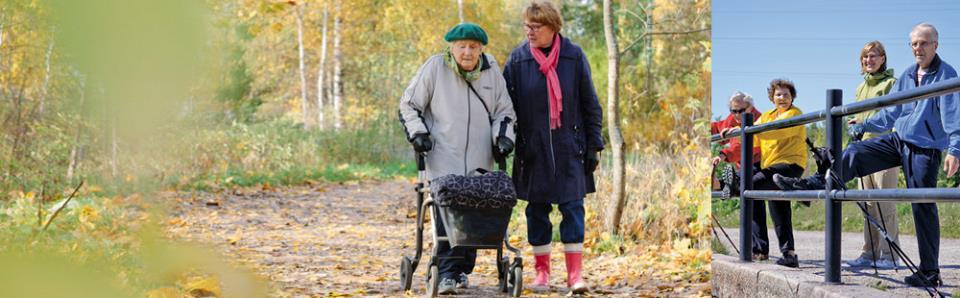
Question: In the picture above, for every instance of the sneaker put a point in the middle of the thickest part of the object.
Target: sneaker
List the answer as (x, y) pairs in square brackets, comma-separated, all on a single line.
[(448, 286), (760, 257), (789, 259), (886, 264), (881, 263), (932, 279), (729, 182), (861, 262), (815, 181), (462, 281)]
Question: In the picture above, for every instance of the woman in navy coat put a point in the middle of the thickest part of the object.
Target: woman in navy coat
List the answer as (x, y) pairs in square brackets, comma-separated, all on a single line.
[(558, 137)]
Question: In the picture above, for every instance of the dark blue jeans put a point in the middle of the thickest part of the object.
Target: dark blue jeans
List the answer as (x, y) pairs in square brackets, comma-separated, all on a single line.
[(780, 211), (452, 261), (540, 230), (920, 168)]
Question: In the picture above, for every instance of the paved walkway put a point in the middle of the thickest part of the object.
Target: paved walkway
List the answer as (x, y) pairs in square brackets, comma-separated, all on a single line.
[(810, 246)]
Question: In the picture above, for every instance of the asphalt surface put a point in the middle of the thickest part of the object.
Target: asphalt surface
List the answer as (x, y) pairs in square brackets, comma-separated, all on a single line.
[(810, 249)]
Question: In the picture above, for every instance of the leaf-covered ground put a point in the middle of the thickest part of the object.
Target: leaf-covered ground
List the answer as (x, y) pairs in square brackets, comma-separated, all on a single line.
[(347, 240)]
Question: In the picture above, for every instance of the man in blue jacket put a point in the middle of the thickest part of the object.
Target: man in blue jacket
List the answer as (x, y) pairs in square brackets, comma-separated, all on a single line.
[(923, 129)]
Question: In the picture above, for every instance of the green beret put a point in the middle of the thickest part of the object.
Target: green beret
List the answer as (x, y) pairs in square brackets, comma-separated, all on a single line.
[(466, 31)]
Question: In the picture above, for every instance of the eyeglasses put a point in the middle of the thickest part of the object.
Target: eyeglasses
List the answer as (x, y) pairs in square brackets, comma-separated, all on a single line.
[(920, 44), (532, 27), (737, 111)]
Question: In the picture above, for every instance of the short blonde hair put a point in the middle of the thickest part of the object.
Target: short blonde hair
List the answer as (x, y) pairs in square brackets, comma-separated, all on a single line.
[(545, 13), (870, 46)]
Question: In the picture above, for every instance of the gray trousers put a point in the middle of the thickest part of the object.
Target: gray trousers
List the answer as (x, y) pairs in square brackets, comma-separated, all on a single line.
[(874, 246)]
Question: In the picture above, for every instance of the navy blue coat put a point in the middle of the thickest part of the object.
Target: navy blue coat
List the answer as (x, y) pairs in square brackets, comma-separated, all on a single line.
[(549, 165)]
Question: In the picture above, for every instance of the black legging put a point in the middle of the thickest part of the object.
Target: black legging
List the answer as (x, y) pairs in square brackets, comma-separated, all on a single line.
[(779, 210)]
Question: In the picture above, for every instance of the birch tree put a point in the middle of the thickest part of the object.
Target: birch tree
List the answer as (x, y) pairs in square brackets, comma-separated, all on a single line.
[(45, 88), (321, 72), (460, 10), (303, 72), (618, 199), (337, 67)]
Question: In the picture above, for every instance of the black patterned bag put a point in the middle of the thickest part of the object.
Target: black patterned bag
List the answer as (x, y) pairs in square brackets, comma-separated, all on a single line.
[(489, 190)]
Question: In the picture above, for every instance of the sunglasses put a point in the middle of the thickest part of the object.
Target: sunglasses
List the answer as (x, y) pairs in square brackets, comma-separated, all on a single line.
[(732, 111)]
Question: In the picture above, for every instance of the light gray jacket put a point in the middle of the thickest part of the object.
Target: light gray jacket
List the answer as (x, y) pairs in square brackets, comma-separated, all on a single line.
[(439, 101)]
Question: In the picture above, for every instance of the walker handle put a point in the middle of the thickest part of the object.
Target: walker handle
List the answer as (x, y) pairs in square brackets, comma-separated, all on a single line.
[(420, 163)]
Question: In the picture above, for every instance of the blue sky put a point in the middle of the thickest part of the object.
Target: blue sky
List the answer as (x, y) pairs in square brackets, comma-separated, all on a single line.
[(816, 44)]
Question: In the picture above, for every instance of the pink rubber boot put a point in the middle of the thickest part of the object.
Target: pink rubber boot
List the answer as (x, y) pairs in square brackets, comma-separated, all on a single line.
[(541, 255), (574, 258)]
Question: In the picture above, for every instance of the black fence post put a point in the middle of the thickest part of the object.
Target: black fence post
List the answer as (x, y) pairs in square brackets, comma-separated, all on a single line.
[(746, 183), (834, 144)]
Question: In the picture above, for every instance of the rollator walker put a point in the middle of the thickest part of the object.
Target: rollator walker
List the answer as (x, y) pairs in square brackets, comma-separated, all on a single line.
[(480, 229)]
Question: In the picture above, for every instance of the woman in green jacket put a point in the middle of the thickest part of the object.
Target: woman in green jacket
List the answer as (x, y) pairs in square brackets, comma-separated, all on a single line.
[(878, 80)]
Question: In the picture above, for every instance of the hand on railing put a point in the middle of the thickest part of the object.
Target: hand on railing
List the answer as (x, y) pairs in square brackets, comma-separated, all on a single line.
[(718, 159), (855, 131), (725, 131)]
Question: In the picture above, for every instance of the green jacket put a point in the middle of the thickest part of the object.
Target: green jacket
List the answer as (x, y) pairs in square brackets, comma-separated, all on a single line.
[(873, 85)]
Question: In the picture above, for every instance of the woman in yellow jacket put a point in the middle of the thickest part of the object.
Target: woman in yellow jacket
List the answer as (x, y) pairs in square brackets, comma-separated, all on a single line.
[(782, 152)]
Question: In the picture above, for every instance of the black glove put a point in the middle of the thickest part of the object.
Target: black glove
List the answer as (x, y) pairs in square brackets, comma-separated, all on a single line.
[(590, 161), (502, 148), (856, 132), (421, 142)]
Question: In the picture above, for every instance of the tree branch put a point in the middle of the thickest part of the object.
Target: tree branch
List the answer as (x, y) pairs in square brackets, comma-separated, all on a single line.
[(645, 34), (64, 205)]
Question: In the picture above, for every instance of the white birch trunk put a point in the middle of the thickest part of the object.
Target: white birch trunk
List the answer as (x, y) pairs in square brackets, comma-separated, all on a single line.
[(76, 152), (321, 80), (303, 71), (618, 199), (44, 89), (114, 148), (337, 68), (460, 10)]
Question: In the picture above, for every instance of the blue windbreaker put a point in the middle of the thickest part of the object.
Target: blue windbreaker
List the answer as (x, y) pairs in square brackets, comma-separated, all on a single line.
[(932, 123)]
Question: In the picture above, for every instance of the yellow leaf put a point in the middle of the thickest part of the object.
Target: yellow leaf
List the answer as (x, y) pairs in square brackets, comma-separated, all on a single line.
[(233, 239), (87, 216), (611, 280)]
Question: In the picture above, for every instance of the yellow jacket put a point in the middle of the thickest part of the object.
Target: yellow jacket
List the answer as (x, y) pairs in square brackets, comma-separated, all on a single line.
[(784, 145)]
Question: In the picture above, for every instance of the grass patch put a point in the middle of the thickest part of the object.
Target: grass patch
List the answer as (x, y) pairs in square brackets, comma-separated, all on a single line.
[(812, 218)]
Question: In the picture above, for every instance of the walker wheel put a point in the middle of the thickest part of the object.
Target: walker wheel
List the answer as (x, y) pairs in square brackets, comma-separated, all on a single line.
[(406, 272), (502, 268), (433, 281), (515, 278)]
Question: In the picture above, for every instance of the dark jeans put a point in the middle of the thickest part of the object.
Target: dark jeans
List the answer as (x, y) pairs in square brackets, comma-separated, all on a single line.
[(453, 261), (920, 168), (780, 211), (540, 230)]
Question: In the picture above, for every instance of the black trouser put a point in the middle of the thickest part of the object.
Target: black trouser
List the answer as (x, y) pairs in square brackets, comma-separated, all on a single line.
[(780, 211), (452, 261), (920, 168)]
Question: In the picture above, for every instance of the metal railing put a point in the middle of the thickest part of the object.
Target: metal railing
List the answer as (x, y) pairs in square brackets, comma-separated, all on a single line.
[(833, 195)]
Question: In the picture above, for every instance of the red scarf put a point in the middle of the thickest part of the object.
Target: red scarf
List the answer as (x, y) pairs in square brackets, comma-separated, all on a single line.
[(548, 66)]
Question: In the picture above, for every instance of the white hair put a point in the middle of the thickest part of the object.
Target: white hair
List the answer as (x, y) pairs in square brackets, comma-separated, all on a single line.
[(928, 28), (739, 95)]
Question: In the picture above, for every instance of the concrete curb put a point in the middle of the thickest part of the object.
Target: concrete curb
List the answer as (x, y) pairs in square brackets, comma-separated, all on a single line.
[(732, 278)]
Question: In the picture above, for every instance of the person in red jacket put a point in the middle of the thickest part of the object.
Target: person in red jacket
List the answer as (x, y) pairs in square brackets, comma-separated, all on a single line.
[(739, 103)]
